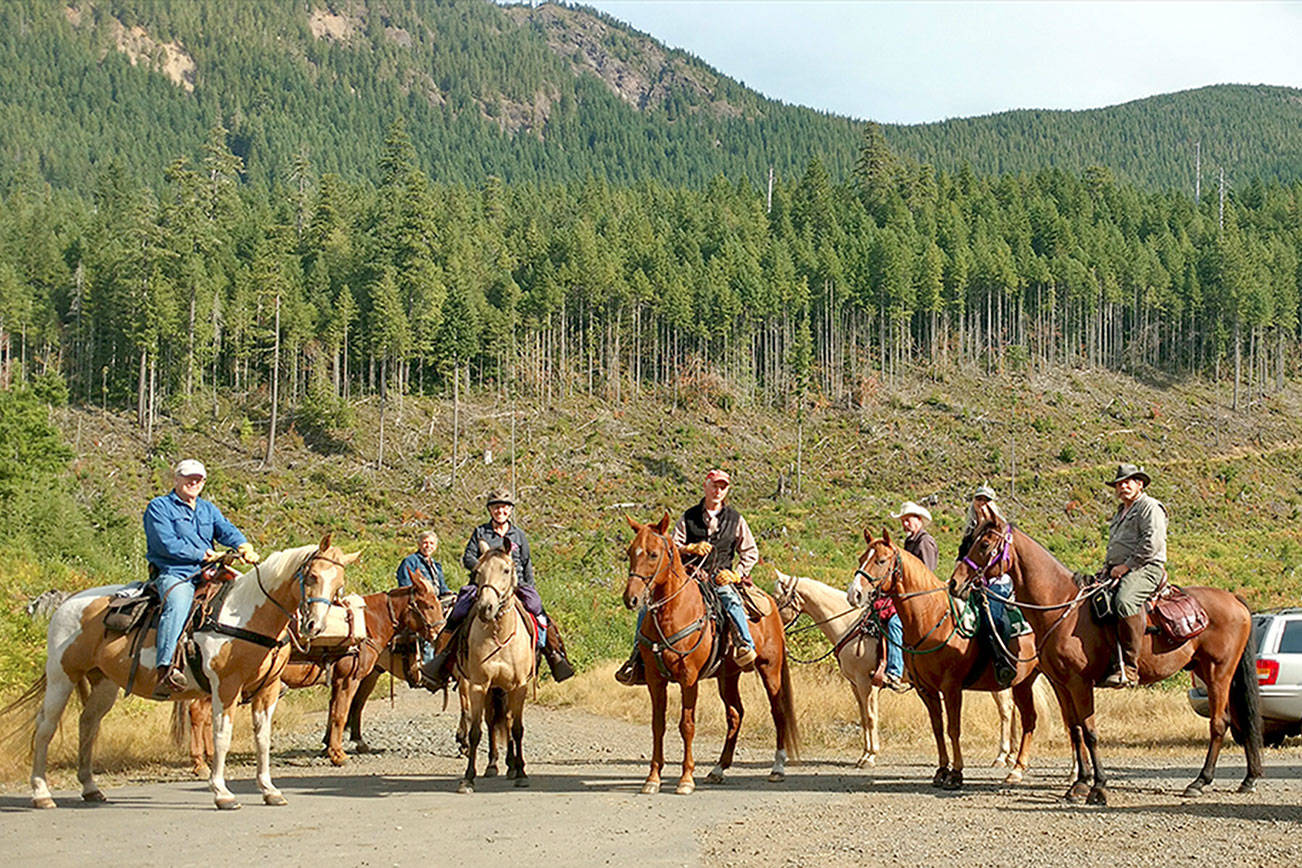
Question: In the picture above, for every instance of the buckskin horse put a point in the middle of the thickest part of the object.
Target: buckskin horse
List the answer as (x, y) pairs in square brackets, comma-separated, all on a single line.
[(395, 619), (243, 649), (941, 661), (496, 663), (678, 641), (857, 656), (1074, 652)]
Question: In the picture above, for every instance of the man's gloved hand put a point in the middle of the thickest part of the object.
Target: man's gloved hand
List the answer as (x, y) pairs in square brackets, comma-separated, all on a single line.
[(248, 554), (726, 577), (700, 549)]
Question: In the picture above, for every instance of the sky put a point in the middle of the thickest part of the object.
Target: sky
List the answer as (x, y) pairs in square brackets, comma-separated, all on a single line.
[(926, 61)]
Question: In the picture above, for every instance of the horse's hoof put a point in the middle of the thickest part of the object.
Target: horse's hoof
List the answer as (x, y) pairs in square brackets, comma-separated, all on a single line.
[(522, 780), (490, 772), (361, 747), (1014, 777), (94, 796), (228, 804), (714, 777), (1192, 791), (650, 788), (43, 802), (201, 772), (685, 788), (1097, 796), (776, 777), (953, 781), (276, 800), (466, 787), (339, 758), (512, 774), (938, 779), (1249, 785), (866, 761)]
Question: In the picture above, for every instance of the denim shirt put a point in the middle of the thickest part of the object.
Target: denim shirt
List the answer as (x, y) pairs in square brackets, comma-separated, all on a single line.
[(429, 570), (177, 536), (519, 549)]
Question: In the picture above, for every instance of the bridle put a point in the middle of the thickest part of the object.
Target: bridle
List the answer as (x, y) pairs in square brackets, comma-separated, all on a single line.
[(790, 600), (651, 607), (304, 601)]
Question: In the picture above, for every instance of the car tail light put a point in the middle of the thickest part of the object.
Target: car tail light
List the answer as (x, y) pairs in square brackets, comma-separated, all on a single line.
[(1267, 671)]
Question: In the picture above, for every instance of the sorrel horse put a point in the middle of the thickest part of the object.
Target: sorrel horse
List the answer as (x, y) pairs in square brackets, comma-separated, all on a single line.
[(677, 642), (497, 663), (1074, 652), (940, 660), (395, 619), (857, 656), (295, 584)]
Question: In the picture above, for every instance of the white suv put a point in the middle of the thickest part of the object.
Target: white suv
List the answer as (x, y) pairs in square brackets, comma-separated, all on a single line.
[(1279, 672)]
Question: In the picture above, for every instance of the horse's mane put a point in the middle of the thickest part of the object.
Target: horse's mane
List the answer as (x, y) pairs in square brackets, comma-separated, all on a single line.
[(277, 566)]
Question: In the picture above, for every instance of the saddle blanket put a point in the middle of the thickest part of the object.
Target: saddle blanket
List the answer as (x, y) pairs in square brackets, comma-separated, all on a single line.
[(970, 619)]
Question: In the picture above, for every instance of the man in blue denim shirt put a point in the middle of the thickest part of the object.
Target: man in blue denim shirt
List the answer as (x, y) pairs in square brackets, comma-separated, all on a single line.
[(421, 563), (181, 529)]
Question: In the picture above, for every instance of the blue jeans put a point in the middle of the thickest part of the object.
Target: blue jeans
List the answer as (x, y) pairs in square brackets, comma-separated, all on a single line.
[(733, 608), (177, 592), (1003, 586), (894, 646)]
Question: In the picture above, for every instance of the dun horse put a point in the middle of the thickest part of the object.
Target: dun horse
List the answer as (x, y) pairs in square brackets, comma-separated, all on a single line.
[(857, 656), (497, 663), (394, 620), (243, 660), (1074, 652), (941, 662), (678, 641)]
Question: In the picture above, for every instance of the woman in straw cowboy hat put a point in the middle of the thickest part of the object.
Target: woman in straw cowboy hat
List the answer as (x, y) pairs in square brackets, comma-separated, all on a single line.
[(917, 542)]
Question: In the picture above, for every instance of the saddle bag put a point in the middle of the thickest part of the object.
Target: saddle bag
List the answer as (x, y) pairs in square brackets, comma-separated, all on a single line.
[(756, 603), (1177, 614), (345, 624), (129, 606)]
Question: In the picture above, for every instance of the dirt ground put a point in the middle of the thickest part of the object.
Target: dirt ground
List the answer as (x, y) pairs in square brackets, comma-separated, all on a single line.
[(400, 806)]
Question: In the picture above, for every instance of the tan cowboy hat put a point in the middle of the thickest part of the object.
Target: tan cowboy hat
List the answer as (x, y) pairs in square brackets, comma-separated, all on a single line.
[(1129, 471), (911, 508)]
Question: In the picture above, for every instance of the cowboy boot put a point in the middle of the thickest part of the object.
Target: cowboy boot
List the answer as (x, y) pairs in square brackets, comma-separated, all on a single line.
[(554, 652), (170, 681), (1130, 633), (632, 672), (437, 672), (743, 655)]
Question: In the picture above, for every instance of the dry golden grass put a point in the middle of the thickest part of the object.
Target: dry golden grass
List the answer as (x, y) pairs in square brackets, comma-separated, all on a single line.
[(1145, 720)]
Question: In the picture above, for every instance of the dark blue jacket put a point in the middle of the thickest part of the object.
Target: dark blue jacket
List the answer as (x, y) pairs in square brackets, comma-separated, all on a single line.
[(519, 550), (177, 536), (429, 570)]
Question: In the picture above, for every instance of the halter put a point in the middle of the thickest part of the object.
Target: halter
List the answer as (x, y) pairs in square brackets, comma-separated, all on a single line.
[(300, 574), (987, 572)]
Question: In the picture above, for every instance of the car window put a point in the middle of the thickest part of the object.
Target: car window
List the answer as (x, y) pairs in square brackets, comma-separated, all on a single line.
[(1291, 640)]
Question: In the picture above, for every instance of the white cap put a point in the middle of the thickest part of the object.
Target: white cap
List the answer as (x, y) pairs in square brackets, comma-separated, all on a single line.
[(911, 508), (191, 467)]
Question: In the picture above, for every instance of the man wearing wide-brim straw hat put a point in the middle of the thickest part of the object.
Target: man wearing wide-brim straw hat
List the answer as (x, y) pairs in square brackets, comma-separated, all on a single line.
[(1137, 556)]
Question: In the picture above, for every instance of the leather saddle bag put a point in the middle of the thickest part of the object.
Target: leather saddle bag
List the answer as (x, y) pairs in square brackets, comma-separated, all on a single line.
[(1177, 614)]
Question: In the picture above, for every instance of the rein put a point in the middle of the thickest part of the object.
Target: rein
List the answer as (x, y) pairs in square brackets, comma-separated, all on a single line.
[(291, 618), (666, 643), (897, 569)]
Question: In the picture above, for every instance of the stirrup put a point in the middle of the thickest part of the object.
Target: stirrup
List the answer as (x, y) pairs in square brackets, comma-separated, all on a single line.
[(744, 657), (1123, 676), (631, 673)]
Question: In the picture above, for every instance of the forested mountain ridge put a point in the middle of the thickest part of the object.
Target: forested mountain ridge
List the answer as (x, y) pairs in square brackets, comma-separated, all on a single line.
[(550, 93)]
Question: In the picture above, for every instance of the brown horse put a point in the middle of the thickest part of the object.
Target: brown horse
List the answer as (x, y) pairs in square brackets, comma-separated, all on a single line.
[(940, 660), (1075, 652), (677, 642), (395, 619)]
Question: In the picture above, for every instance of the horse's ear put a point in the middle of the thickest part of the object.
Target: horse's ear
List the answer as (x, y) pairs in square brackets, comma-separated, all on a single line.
[(867, 535), (663, 524), (419, 583), (483, 546), (350, 558), (507, 545), (886, 535), (783, 578), (636, 527), (325, 540)]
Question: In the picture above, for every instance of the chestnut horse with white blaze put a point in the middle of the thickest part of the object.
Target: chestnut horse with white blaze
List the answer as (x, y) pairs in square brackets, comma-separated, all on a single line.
[(941, 661), (677, 642), (1075, 652), (297, 583)]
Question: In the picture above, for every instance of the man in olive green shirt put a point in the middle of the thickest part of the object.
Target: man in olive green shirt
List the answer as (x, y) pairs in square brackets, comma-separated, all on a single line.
[(1137, 556)]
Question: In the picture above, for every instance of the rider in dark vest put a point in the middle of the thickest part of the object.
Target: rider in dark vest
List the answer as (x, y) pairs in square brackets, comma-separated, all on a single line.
[(719, 534)]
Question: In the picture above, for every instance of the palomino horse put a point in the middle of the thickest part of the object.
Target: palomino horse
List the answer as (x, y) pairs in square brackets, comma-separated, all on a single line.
[(857, 656), (1075, 652), (497, 663), (941, 662), (677, 642), (242, 654), (394, 619)]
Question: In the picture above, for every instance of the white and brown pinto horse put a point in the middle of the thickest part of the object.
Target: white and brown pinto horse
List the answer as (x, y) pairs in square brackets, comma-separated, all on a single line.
[(292, 585)]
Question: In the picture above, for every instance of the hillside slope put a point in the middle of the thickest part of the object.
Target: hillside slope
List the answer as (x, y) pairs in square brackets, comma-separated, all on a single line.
[(528, 94)]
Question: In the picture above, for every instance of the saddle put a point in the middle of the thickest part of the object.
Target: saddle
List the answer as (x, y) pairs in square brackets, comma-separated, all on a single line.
[(756, 603), (1171, 612)]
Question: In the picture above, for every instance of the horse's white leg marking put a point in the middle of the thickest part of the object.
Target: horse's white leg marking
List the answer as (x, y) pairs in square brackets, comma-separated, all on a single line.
[(779, 763), (58, 688), (1004, 706), (97, 704), (262, 738), (221, 745), (716, 774)]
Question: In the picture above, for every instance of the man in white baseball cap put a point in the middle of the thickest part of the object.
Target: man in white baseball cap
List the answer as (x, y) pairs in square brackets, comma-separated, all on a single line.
[(181, 529)]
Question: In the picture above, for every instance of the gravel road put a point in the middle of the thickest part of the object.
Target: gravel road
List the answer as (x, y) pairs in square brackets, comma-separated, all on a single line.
[(400, 807)]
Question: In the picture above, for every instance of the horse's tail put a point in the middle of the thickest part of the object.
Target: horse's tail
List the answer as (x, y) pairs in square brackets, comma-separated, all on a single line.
[(1245, 701), (786, 700), (180, 721), (25, 705)]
